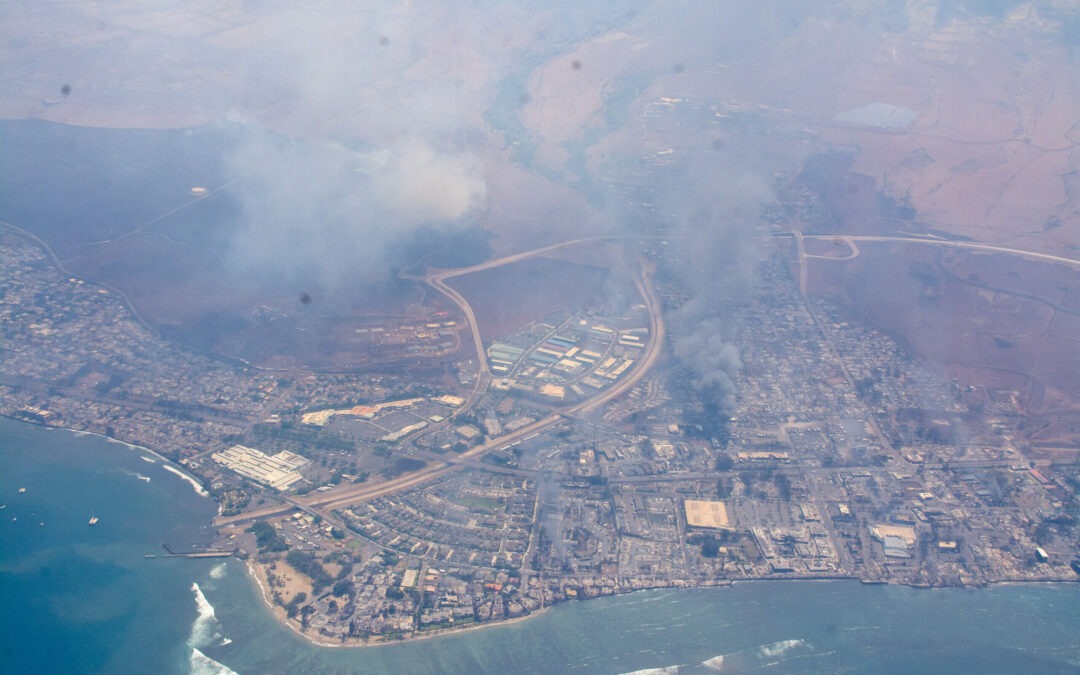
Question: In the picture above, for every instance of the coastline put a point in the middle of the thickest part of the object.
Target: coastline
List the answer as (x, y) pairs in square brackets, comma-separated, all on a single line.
[(256, 575), (166, 463)]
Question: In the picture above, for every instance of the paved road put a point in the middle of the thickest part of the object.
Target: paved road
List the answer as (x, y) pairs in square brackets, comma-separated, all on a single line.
[(949, 243), (436, 278), (653, 350), (353, 494), (358, 493)]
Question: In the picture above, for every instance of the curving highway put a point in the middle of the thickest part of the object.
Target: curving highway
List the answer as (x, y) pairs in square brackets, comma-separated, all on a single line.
[(352, 494), (851, 240)]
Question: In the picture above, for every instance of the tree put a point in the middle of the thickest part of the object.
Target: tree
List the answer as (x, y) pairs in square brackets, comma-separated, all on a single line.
[(724, 462), (710, 547), (343, 587), (783, 486), (294, 605), (747, 478), (267, 538), (307, 564)]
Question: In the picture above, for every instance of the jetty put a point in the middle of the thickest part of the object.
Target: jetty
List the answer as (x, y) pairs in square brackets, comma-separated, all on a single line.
[(191, 554), (207, 553)]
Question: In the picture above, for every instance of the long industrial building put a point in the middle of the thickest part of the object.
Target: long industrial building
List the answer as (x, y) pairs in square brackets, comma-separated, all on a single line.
[(277, 471)]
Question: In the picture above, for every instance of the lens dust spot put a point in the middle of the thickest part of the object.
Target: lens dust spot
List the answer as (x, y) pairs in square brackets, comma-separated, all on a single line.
[(65, 90), (678, 68), (305, 298), (576, 65)]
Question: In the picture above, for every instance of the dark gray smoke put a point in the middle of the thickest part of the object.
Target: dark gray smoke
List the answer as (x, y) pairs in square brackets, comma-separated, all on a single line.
[(713, 361), (716, 252)]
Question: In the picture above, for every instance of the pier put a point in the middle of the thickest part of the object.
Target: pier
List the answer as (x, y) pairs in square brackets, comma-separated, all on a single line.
[(208, 553), (192, 554)]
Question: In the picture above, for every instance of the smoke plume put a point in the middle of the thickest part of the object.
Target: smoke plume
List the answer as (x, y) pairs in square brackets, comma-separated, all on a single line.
[(319, 212), (716, 249)]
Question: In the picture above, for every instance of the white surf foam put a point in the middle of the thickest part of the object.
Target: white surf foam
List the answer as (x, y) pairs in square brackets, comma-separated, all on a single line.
[(206, 630), (201, 664), (148, 459), (218, 571), (775, 649), (715, 663), (666, 670), (129, 446), (194, 483)]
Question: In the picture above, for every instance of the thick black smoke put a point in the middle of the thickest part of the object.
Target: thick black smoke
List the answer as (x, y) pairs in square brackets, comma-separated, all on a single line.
[(713, 361), (716, 246)]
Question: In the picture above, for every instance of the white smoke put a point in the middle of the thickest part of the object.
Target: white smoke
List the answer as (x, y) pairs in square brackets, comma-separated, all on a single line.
[(325, 213)]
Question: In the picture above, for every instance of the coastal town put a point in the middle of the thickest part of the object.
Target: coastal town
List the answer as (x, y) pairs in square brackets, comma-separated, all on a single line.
[(376, 506)]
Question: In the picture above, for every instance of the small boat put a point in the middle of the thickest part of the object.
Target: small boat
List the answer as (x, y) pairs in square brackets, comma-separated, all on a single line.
[(93, 520), (22, 490)]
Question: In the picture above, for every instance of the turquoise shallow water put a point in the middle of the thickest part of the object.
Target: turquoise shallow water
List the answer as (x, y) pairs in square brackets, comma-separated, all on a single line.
[(84, 599)]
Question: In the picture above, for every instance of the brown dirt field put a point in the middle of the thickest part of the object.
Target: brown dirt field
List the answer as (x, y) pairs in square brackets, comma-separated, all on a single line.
[(289, 581), (192, 298), (505, 298), (981, 315), (992, 132)]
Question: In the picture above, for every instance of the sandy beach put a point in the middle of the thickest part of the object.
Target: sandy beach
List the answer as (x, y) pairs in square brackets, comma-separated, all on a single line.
[(258, 574)]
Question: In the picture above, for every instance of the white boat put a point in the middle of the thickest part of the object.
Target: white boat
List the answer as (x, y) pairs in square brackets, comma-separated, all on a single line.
[(93, 520)]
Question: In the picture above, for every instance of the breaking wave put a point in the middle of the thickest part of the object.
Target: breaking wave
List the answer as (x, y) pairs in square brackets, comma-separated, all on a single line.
[(775, 649), (218, 570), (753, 657), (205, 631), (666, 670), (715, 663), (201, 664), (189, 479)]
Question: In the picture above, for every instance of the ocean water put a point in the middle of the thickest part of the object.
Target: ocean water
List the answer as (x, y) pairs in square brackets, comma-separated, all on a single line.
[(81, 599)]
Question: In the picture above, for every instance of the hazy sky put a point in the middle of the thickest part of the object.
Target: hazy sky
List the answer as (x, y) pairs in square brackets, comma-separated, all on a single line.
[(352, 127)]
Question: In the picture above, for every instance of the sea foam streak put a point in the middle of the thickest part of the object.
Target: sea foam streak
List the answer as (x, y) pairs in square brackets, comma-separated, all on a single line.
[(194, 483), (218, 571), (147, 459), (666, 670)]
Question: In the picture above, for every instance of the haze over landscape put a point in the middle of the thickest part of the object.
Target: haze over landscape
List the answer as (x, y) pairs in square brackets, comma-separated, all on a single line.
[(458, 311)]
